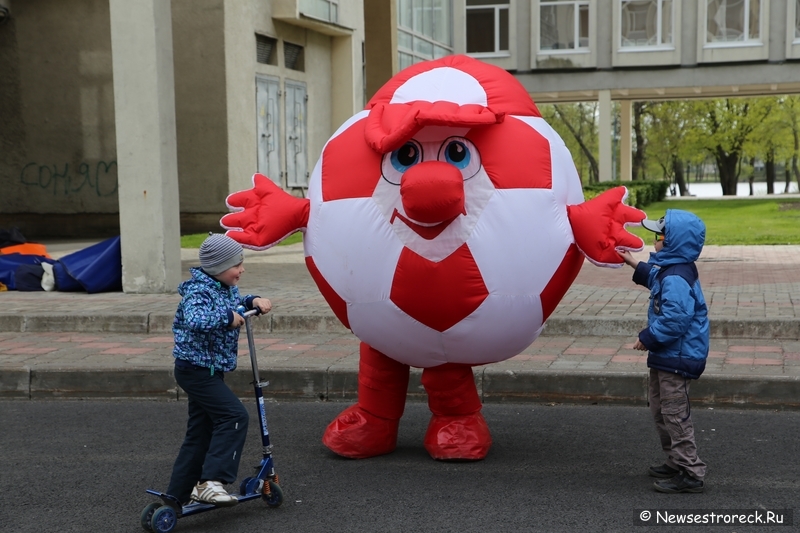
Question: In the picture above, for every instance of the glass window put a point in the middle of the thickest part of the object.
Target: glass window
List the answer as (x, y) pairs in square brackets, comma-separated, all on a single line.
[(797, 20), (321, 9), (424, 30), (733, 20), (442, 17), (487, 26), (564, 25), (646, 22), (405, 11)]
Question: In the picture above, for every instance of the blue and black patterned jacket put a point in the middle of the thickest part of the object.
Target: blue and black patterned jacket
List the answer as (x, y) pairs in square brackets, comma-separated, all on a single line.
[(201, 326)]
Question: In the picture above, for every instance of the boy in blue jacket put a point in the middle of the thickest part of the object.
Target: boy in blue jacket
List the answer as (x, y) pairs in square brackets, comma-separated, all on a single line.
[(677, 339), (206, 329)]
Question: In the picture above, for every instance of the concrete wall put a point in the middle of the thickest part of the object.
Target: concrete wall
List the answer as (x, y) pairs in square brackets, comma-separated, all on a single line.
[(200, 105), (58, 141), (57, 110)]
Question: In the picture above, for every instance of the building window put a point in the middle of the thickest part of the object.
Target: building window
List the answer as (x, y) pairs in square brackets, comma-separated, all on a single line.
[(646, 23), (797, 20), (293, 56), (424, 30), (733, 21), (487, 27), (327, 10), (266, 50), (564, 25)]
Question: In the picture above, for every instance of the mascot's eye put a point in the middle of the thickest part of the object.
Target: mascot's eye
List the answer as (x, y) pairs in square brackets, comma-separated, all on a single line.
[(396, 163), (462, 154)]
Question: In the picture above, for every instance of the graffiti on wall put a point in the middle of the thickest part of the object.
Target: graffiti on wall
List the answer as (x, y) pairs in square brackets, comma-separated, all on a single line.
[(100, 178)]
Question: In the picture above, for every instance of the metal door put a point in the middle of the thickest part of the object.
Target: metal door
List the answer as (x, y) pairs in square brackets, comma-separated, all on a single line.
[(296, 156), (268, 96)]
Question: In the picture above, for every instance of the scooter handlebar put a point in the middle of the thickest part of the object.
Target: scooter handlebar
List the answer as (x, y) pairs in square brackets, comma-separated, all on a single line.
[(245, 313)]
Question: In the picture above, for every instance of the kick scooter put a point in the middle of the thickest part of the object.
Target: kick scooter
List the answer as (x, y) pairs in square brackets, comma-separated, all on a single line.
[(163, 517)]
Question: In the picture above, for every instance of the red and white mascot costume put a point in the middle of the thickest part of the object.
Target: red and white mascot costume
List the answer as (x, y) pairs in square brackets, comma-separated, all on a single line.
[(443, 225)]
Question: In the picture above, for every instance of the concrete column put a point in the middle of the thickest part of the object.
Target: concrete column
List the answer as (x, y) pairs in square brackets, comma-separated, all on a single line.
[(604, 134), (380, 43), (144, 107), (625, 156)]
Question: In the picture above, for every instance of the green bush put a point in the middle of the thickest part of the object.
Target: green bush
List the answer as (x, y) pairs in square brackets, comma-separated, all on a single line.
[(640, 193)]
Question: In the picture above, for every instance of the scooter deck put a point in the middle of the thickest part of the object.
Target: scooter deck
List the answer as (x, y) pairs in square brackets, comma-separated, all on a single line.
[(199, 507)]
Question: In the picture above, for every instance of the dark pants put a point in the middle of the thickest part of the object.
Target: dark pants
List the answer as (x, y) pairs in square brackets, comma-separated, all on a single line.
[(215, 432), (669, 405)]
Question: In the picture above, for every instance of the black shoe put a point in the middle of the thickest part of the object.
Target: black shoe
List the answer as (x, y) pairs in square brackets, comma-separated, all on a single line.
[(663, 471), (683, 482)]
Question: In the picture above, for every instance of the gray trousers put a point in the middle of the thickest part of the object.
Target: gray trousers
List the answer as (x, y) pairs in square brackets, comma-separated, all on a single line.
[(669, 404)]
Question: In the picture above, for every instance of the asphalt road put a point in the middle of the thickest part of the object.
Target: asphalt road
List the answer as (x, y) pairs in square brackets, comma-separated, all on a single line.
[(84, 465)]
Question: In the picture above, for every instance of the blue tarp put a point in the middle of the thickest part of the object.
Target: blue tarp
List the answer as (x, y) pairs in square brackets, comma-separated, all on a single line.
[(97, 268), (10, 262)]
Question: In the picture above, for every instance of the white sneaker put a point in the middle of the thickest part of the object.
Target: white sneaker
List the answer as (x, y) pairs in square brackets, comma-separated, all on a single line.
[(212, 492)]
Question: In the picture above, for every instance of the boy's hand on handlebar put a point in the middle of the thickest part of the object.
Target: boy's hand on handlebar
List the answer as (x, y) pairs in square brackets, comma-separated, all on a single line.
[(238, 321), (262, 304)]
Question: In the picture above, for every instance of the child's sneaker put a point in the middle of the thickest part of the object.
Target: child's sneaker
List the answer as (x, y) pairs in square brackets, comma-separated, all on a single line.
[(664, 471), (682, 482), (212, 492)]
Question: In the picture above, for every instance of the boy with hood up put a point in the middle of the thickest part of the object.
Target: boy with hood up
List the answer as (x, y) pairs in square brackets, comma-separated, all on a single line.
[(677, 340)]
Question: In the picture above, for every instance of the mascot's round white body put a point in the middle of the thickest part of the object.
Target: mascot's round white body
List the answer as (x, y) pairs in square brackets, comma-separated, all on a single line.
[(478, 300), (443, 225)]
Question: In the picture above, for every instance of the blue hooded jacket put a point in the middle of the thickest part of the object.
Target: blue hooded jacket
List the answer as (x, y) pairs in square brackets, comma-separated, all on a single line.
[(201, 326), (677, 333)]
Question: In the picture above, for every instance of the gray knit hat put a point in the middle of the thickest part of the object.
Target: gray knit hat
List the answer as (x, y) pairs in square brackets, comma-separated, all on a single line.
[(219, 252)]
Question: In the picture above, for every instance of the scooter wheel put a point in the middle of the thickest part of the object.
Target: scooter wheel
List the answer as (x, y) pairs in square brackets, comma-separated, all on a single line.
[(147, 515), (164, 519), (272, 494)]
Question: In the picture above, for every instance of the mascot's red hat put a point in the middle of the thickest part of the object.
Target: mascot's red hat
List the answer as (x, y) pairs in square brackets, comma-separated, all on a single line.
[(454, 91)]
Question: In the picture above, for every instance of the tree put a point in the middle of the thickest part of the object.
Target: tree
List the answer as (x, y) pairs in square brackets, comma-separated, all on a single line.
[(771, 138), (638, 170), (577, 125), (668, 126), (723, 128)]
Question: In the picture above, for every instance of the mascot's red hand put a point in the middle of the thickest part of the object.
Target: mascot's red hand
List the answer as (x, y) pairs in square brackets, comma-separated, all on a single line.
[(264, 215), (599, 227)]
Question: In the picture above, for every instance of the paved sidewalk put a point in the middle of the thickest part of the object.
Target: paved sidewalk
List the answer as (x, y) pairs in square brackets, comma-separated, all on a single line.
[(55, 345)]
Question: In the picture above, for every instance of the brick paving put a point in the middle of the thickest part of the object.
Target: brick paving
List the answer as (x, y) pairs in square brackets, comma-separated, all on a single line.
[(741, 283)]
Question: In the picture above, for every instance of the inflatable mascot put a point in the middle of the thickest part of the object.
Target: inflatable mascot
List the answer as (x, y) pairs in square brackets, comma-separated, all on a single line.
[(443, 225)]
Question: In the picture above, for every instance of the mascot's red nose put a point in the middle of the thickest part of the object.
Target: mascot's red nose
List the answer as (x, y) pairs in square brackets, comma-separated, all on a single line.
[(432, 192)]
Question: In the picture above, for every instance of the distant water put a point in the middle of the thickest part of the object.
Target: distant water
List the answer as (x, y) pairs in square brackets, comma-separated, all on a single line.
[(714, 190)]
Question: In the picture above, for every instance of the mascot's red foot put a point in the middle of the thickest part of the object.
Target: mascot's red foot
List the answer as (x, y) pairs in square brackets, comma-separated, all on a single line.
[(358, 434), (461, 437)]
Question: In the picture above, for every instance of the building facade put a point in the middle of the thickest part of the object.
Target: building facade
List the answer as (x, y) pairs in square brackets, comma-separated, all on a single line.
[(140, 117)]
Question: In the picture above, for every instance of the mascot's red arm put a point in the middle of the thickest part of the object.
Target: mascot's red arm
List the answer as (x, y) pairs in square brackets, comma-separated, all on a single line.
[(264, 215), (599, 227)]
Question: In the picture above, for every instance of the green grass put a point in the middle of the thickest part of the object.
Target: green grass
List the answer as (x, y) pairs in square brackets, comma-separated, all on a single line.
[(196, 239), (762, 221)]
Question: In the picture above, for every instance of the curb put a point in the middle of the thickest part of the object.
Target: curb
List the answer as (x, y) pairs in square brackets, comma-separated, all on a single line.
[(145, 323), (721, 328), (340, 383)]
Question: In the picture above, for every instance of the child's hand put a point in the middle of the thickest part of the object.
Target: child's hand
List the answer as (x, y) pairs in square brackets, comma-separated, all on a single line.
[(627, 256), (639, 346), (238, 321), (262, 304)]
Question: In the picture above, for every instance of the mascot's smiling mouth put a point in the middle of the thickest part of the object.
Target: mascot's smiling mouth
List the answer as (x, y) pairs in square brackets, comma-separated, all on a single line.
[(426, 232)]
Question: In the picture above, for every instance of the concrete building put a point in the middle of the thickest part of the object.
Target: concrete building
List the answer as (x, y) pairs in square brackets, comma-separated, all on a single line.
[(140, 117)]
